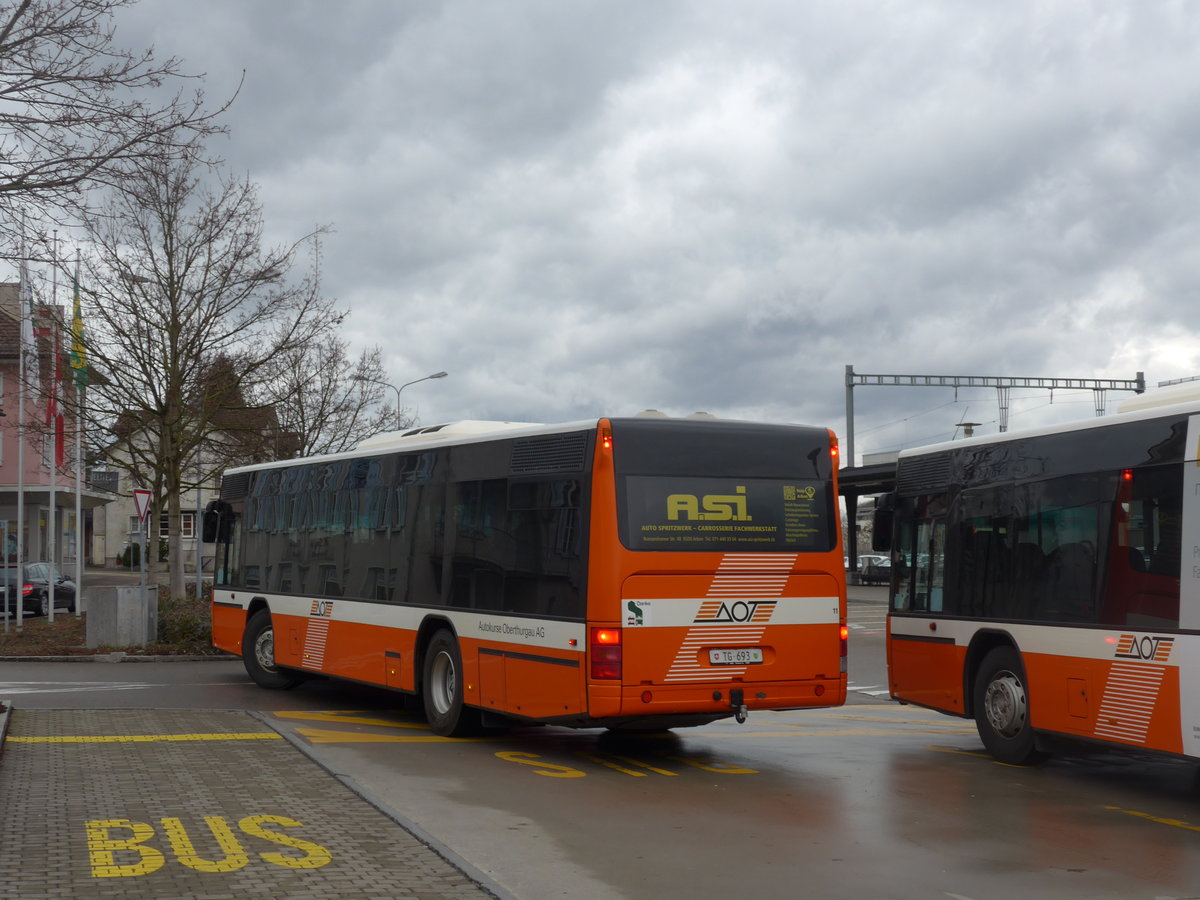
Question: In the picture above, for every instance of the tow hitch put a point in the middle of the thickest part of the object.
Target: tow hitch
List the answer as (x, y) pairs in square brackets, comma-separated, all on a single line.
[(737, 702)]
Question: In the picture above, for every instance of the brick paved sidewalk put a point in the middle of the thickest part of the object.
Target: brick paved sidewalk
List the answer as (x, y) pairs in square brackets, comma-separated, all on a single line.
[(193, 804)]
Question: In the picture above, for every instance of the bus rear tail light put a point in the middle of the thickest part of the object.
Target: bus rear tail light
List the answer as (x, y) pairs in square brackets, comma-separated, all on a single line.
[(844, 636), (605, 651)]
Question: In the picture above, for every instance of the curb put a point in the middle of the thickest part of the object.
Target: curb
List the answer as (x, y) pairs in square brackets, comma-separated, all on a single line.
[(481, 878), (123, 656)]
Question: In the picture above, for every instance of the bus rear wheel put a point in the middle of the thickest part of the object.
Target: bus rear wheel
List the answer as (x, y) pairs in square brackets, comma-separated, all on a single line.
[(442, 689), (258, 655), (1002, 709)]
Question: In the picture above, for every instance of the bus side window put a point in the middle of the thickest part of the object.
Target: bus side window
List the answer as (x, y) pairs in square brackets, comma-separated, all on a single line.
[(1142, 583), (929, 566)]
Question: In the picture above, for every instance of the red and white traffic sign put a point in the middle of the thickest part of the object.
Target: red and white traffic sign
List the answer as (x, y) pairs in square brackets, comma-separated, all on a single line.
[(141, 500)]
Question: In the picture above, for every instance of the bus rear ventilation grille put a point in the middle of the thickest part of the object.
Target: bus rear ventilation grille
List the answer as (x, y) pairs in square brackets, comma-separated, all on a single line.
[(234, 487), (557, 453), (924, 475)]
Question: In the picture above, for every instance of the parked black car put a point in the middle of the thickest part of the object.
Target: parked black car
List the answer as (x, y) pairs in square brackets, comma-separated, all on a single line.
[(34, 589)]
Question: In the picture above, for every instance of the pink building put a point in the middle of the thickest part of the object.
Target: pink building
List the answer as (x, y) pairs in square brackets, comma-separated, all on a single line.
[(49, 449)]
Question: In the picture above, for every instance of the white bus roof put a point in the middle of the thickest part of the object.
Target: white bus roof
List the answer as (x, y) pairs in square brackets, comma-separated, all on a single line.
[(461, 432), (1187, 392), (1174, 403)]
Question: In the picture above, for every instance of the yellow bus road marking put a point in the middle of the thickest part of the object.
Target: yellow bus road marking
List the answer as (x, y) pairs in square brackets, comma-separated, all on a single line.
[(328, 736), (625, 759), (1174, 823), (106, 838), (143, 738), (348, 719)]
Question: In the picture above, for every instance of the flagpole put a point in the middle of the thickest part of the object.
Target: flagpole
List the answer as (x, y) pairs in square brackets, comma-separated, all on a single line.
[(26, 379), (77, 363), (52, 417)]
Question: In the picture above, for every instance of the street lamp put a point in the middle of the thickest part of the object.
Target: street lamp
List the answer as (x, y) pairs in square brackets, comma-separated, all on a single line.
[(397, 389)]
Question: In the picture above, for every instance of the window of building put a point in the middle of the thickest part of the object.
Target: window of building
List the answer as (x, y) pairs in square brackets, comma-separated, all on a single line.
[(187, 519)]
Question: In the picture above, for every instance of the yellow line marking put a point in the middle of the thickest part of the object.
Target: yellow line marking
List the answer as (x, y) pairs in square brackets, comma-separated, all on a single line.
[(144, 738), (933, 721), (975, 753), (810, 731), (325, 736), (348, 719), (1174, 823)]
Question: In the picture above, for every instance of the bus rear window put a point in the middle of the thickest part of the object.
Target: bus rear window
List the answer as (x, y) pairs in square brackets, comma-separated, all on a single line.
[(726, 514)]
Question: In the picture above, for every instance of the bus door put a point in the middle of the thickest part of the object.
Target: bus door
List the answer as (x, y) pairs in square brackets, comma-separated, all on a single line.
[(924, 661)]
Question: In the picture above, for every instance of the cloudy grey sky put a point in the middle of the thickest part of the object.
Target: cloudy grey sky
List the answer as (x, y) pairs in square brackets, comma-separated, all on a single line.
[(581, 208)]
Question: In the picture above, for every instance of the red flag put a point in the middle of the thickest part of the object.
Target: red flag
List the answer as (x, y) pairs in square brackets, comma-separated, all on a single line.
[(54, 418)]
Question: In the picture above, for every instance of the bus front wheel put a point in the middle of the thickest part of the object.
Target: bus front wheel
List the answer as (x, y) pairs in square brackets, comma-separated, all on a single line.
[(1002, 708), (258, 654), (442, 689)]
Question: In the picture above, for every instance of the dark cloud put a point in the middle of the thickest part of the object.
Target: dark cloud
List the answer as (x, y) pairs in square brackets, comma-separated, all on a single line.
[(602, 206)]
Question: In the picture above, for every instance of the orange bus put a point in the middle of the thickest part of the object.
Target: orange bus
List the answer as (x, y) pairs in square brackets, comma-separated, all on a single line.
[(1039, 586), (638, 572)]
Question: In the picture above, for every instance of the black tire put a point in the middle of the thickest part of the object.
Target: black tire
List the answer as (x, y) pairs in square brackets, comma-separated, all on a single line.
[(44, 605), (258, 655), (1002, 709), (442, 689)]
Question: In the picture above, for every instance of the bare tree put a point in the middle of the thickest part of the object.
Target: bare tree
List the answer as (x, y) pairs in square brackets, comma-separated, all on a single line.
[(189, 314), (321, 396), (75, 110), (324, 398)]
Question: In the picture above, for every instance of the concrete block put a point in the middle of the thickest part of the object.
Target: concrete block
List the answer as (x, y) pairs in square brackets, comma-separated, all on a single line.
[(122, 616)]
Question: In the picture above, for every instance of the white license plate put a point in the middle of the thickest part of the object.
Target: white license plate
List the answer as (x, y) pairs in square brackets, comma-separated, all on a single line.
[(735, 656)]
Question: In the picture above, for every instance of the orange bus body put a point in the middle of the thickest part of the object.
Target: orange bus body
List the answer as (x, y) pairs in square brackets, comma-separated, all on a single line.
[(1041, 586), (667, 637)]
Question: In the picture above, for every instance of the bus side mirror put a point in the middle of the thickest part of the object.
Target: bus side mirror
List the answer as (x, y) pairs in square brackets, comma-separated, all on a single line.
[(216, 523), (881, 525)]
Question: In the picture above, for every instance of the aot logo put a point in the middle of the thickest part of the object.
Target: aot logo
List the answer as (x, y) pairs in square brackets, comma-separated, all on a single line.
[(756, 611), (1152, 649), (717, 507), (322, 609)]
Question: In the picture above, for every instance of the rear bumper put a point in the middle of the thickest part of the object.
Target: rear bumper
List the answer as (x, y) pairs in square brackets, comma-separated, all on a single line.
[(626, 701)]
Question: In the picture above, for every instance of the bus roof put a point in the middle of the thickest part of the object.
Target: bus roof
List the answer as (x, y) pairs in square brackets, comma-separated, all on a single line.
[(463, 432), (1175, 404), (474, 431)]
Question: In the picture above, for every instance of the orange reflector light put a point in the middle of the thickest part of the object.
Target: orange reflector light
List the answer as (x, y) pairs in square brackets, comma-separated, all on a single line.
[(845, 632), (819, 690), (606, 635), (647, 696)]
